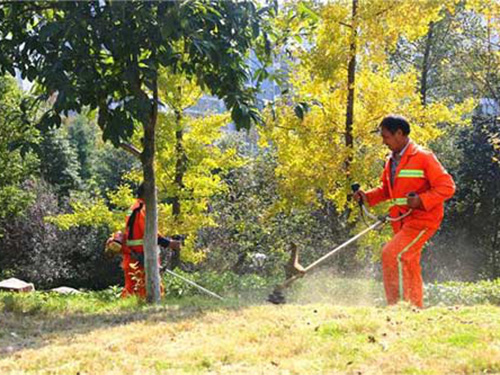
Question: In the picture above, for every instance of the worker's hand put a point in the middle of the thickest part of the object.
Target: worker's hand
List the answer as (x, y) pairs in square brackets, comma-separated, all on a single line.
[(175, 245), (360, 196), (414, 200)]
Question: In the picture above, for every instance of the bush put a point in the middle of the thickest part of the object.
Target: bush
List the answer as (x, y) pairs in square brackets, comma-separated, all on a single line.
[(39, 252), (51, 303), (459, 293), (255, 228), (227, 283)]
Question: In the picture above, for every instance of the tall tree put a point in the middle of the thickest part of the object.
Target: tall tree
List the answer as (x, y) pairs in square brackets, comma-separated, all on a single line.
[(17, 160), (349, 57), (107, 56), (59, 161), (189, 167), (351, 81), (82, 135), (456, 58)]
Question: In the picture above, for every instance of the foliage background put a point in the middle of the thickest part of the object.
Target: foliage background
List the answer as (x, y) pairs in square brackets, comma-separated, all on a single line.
[(243, 197)]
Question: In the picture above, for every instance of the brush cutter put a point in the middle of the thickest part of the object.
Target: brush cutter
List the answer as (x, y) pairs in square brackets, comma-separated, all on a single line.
[(277, 297), (190, 282), (175, 260)]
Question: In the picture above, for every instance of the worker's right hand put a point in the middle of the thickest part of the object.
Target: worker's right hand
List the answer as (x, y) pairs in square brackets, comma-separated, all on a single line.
[(360, 196), (174, 245)]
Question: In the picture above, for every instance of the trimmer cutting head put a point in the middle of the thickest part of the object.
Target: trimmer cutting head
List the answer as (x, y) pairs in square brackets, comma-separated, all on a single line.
[(277, 297)]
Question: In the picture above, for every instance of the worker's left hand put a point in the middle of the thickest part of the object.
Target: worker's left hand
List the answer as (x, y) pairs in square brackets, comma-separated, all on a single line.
[(414, 200)]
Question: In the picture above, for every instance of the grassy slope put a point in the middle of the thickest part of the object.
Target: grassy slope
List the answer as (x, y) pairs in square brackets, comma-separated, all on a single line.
[(70, 335)]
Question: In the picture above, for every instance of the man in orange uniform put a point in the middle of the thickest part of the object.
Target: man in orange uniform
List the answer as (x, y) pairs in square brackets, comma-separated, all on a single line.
[(133, 250), (409, 169)]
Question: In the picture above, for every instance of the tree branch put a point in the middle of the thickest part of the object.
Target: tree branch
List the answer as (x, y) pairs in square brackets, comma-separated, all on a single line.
[(131, 149), (477, 78)]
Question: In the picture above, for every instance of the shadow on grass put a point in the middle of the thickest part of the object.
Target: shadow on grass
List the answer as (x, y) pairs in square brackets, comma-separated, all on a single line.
[(32, 322)]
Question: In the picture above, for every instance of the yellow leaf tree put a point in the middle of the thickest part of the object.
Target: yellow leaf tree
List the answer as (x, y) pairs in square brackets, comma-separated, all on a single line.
[(188, 163), (346, 78)]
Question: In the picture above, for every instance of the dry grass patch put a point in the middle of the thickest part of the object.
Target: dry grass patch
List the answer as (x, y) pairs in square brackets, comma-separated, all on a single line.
[(199, 337)]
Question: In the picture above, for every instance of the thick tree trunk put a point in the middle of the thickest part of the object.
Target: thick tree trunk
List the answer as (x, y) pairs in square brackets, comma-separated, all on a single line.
[(426, 66), (351, 80), (150, 236)]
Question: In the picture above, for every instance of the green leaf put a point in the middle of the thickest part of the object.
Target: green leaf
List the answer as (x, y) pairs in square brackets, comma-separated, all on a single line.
[(305, 10)]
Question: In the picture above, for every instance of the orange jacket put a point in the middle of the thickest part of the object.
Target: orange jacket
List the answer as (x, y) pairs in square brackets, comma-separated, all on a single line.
[(134, 232), (418, 171)]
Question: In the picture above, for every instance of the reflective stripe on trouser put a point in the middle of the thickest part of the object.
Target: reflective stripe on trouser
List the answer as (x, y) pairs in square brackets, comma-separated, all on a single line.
[(401, 265), (135, 242)]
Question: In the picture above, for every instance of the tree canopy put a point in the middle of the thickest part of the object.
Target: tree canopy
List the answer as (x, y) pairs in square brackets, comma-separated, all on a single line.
[(107, 56)]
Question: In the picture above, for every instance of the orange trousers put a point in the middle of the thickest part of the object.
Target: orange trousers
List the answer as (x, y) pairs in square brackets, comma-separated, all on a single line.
[(135, 279), (401, 265)]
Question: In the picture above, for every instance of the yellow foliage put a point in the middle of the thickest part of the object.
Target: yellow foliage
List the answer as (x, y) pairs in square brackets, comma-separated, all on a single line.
[(378, 24), (202, 158), (312, 152), (89, 213), (122, 197), (199, 136)]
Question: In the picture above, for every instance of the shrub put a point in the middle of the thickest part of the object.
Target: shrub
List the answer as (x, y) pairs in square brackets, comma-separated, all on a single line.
[(461, 293), (39, 252), (226, 283)]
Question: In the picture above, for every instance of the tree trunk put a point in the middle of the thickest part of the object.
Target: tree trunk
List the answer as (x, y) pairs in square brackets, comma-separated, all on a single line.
[(494, 244), (351, 80), (150, 236), (180, 166), (425, 65)]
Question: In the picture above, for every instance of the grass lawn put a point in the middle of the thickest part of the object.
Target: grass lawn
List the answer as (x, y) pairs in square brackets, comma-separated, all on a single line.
[(89, 334)]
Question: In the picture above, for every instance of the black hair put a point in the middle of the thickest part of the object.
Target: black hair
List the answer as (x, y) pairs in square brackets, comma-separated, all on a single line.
[(395, 122), (139, 193)]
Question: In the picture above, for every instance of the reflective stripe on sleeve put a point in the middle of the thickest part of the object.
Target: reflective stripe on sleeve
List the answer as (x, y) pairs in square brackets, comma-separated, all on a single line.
[(411, 173), (400, 201)]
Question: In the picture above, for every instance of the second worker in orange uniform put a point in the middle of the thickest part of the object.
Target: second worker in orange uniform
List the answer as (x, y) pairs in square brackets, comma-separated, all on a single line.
[(409, 169), (133, 247)]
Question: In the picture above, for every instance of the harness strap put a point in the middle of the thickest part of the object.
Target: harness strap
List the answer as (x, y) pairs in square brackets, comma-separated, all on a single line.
[(130, 224)]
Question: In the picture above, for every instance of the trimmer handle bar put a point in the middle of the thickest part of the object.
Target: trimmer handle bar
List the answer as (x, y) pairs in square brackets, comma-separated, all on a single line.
[(383, 218)]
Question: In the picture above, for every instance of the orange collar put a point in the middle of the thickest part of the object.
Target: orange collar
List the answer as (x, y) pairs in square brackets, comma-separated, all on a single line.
[(412, 148)]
